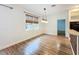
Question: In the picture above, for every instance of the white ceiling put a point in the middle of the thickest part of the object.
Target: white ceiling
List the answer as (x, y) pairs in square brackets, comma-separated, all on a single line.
[(37, 9)]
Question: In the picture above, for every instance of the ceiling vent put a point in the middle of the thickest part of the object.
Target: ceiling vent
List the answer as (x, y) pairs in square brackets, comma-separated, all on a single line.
[(53, 5)]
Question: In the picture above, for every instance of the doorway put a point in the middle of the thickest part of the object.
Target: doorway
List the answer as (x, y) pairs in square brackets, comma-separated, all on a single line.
[(61, 27)]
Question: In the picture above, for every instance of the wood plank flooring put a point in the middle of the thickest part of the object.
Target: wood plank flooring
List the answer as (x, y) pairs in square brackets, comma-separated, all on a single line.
[(41, 45)]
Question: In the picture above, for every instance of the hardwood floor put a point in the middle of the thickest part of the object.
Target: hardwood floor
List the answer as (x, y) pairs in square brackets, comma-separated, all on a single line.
[(42, 45)]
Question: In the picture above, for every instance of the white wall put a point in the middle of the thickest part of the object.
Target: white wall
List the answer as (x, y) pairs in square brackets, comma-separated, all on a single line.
[(12, 28), (52, 22)]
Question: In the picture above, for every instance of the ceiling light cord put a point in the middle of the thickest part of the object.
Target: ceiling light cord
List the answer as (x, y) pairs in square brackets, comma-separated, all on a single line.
[(45, 16)]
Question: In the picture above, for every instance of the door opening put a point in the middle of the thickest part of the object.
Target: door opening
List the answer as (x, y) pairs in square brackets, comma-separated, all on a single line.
[(61, 27)]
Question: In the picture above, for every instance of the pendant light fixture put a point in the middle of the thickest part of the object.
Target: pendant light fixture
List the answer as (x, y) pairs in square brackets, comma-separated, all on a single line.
[(44, 19)]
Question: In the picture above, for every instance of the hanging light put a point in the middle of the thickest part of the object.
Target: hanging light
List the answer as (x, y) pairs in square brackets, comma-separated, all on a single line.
[(44, 19)]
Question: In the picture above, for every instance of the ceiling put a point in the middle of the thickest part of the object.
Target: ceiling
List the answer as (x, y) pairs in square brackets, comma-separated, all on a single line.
[(37, 9)]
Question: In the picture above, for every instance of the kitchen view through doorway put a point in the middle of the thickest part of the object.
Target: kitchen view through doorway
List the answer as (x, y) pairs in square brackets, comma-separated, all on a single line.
[(61, 27)]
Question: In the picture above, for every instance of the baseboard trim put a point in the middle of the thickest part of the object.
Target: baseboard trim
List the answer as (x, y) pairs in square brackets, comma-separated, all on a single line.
[(21, 41)]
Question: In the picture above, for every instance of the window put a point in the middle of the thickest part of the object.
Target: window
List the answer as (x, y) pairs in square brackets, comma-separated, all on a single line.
[(31, 22)]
